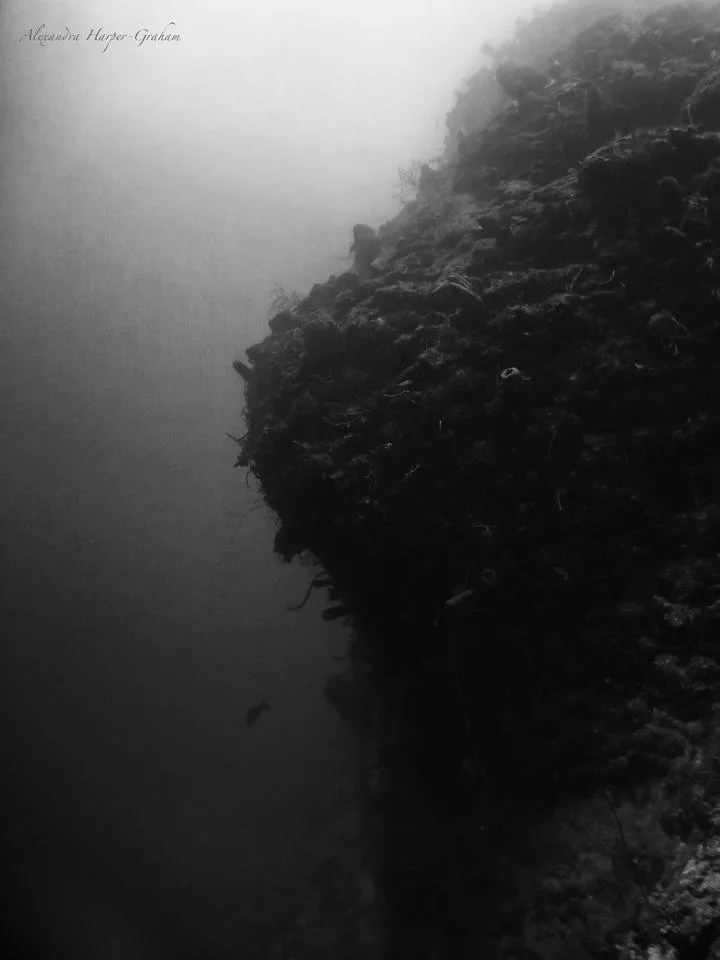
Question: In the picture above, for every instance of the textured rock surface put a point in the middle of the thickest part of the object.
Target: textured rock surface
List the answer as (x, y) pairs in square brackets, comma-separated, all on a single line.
[(503, 447)]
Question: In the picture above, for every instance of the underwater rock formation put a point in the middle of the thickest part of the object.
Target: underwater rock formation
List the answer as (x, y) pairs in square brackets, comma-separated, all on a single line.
[(519, 406), (365, 247)]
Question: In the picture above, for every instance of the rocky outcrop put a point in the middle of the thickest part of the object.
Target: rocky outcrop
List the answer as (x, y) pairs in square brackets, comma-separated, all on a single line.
[(502, 445)]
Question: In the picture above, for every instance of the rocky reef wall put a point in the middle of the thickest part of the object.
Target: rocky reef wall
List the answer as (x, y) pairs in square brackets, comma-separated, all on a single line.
[(502, 445)]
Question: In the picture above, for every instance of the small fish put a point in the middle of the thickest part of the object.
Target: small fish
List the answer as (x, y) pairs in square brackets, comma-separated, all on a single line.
[(254, 712)]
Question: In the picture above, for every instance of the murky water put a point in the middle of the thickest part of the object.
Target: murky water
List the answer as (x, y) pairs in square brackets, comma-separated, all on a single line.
[(149, 200), (143, 610), (145, 614)]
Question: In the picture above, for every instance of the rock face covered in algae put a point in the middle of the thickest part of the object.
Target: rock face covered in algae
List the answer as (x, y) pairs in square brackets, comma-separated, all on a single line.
[(501, 441)]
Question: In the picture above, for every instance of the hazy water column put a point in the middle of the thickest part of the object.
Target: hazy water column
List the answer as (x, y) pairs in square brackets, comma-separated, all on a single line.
[(146, 203), (142, 611)]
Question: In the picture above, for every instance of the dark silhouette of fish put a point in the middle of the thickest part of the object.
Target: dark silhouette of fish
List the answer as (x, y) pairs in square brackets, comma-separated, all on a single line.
[(254, 712)]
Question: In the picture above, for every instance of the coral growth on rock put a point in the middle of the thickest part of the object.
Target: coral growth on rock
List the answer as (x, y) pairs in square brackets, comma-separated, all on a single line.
[(502, 444)]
